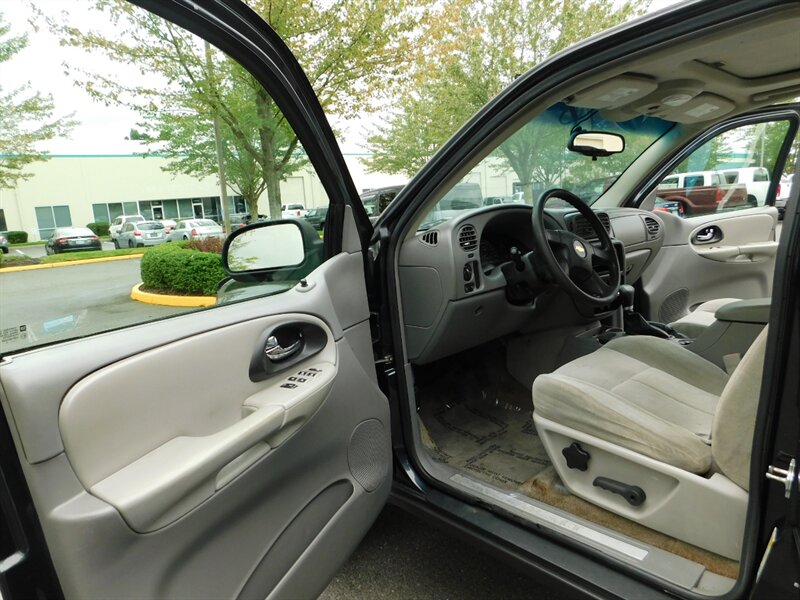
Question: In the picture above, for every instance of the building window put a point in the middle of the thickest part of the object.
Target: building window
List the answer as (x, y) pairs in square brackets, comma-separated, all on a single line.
[(50, 217), (100, 213), (3, 225)]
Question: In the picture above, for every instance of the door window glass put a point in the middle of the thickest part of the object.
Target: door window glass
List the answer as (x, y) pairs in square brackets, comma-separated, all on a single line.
[(732, 171), (171, 84)]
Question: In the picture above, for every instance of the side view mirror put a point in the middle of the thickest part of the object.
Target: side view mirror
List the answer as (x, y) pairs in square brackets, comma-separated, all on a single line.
[(596, 143), (262, 250)]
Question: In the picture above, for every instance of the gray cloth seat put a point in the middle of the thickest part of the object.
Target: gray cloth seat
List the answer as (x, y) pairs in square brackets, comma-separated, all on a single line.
[(694, 323), (660, 400)]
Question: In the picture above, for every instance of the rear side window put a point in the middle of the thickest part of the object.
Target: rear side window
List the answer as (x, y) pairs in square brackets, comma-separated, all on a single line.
[(693, 181)]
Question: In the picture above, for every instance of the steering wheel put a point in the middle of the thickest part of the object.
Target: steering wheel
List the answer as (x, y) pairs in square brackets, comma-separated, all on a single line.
[(571, 261)]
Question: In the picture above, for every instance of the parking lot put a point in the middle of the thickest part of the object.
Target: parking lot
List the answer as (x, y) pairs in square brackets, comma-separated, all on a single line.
[(70, 301)]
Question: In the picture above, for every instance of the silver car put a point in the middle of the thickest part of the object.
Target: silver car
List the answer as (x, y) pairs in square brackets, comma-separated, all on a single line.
[(144, 233), (195, 229)]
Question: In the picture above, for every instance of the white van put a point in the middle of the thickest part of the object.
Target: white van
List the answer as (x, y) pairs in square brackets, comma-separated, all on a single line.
[(756, 179)]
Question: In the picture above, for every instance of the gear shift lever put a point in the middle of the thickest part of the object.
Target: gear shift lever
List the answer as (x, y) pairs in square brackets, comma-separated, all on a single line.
[(634, 323), (626, 293)]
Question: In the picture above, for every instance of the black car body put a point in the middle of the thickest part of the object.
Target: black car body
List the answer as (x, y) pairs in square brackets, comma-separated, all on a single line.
[(317, 216), (305, 422), (72, 239)]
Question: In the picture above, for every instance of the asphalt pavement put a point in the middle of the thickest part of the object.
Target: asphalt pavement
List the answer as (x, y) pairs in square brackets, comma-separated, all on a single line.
[(403, 557), (71, 301)]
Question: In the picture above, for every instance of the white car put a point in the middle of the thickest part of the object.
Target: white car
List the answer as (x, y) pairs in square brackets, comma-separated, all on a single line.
[(293, 211), (118, 223), (195, 229)]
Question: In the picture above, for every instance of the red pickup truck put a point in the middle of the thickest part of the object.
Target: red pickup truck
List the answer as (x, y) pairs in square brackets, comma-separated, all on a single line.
[(699, 193)]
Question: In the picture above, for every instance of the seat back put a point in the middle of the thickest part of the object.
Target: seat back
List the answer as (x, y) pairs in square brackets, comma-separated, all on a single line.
[(734, 420)]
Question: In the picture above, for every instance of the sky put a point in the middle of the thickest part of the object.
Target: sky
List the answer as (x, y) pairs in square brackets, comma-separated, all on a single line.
[(102, 129)]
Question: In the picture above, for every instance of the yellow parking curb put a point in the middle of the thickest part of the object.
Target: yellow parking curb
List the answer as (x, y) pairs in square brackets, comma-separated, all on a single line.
[(168, 300), (68, 263)]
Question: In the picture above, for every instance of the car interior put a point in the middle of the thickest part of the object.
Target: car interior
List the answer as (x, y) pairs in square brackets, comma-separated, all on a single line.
[(596, 371)]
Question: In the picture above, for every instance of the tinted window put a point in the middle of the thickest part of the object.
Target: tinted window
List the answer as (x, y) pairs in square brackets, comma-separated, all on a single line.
[(691, 181), (150, 226)]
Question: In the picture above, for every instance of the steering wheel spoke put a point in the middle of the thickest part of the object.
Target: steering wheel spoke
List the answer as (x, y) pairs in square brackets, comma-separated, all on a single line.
[(605, 257)]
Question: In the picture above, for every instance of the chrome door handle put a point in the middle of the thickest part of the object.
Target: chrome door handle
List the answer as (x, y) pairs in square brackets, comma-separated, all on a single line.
[(276, 353)]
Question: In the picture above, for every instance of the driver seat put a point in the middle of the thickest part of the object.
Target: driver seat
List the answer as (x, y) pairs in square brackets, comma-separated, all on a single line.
[(655, 433)]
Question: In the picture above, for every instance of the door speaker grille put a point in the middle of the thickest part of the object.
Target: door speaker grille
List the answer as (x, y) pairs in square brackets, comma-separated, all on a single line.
[(368, 454)]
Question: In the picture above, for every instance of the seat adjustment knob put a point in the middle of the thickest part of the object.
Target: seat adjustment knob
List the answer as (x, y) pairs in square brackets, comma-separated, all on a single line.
[(577, 457)]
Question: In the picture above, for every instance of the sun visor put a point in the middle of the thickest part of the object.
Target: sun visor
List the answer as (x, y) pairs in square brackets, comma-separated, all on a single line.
[(704, 107), (614, 92)]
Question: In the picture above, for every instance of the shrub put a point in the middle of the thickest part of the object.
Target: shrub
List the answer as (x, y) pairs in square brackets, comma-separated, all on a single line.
[(100, 229), (206, 245), (174, 268), (17, 237)]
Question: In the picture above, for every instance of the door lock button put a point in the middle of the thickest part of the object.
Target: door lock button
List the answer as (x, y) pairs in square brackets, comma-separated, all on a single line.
[(290, 386)]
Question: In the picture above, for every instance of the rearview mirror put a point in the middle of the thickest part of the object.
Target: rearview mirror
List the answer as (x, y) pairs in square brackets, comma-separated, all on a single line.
[(596, 143), (275, 245)]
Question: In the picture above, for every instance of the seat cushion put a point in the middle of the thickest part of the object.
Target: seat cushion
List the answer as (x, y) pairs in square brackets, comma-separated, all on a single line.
[(646, 394), (693, 324)]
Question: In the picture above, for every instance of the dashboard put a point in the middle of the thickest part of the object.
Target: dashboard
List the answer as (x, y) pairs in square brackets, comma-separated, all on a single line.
[(453, 290)]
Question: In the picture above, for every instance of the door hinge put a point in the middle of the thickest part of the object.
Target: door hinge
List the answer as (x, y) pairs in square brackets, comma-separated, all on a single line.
[(787, 477)]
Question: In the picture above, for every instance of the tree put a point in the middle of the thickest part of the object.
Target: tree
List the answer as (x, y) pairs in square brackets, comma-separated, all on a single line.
[(26, 118), (493, 44), (352, 52)]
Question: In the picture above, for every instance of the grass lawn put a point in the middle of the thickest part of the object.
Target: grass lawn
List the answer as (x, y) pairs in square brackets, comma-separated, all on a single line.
[(70, 256), (15, 260)]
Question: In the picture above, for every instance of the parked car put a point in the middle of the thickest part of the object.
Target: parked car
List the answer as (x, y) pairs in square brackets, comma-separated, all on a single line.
[(196, 229), (245, 220), (701, 193), (72, 239), (141, 233), (116, 226), (316, 216), (3, 243), (782, 195), (168, 224), (292, 211), (472, 372), (755, 179), (376, 200)]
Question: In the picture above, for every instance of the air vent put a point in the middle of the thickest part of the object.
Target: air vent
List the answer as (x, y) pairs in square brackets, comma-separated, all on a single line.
[(468, 238), (653, 226), (430, 238), (580, 226)]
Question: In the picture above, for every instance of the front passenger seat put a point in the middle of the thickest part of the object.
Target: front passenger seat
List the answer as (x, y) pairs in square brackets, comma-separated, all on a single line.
[(651, 431)]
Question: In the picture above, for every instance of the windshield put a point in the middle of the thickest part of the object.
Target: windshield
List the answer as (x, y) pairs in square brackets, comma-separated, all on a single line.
[(535, 159)]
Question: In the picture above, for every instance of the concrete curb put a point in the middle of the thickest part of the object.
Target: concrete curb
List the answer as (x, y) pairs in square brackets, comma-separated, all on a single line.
[(168, 300), (69, 263)]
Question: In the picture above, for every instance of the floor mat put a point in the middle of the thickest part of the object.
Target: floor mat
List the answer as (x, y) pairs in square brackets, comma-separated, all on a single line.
[(481, 423)]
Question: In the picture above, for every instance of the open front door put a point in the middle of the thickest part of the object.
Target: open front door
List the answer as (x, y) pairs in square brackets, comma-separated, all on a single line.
[(173, 452)]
